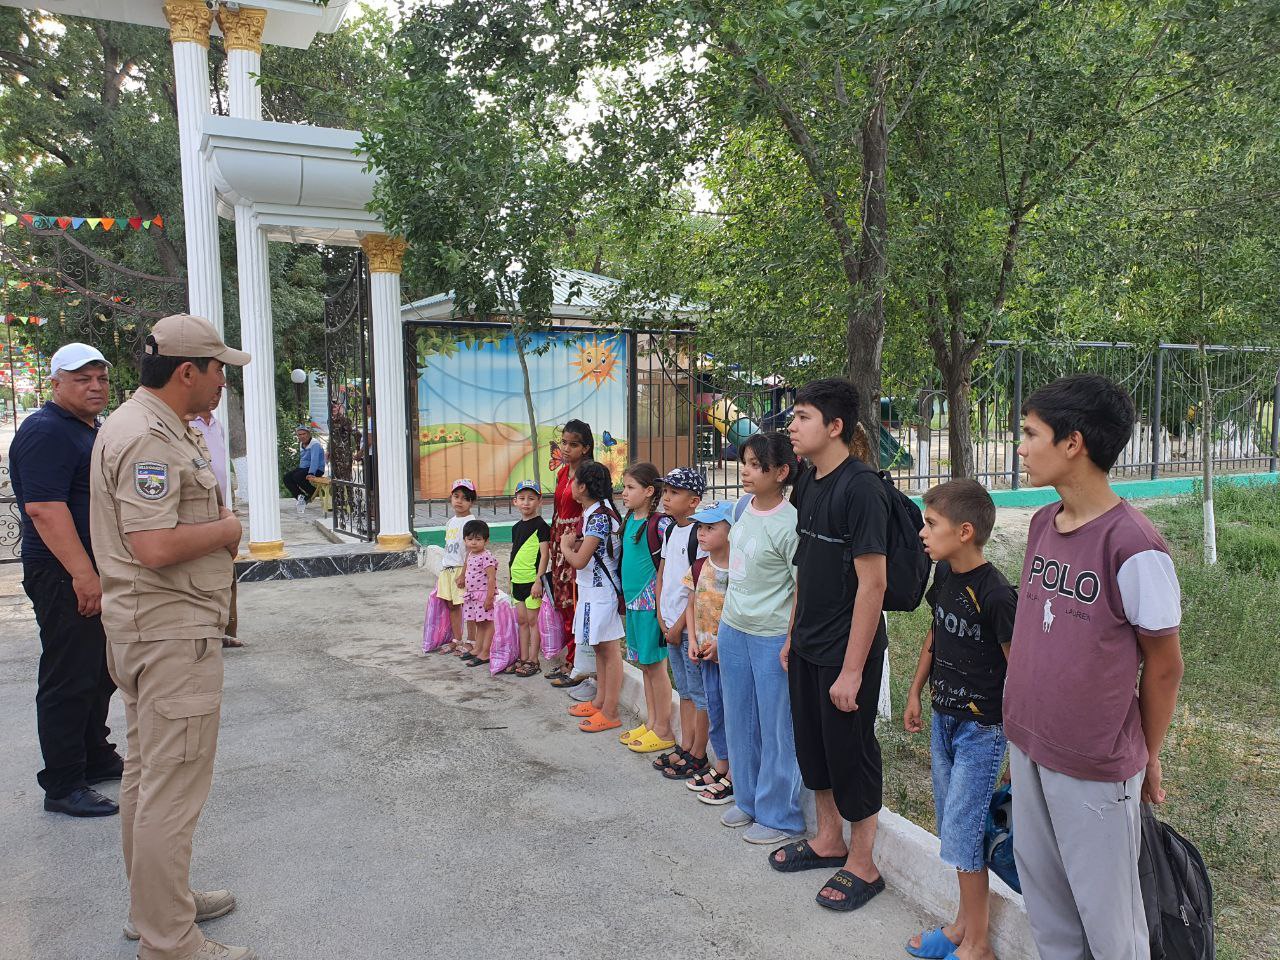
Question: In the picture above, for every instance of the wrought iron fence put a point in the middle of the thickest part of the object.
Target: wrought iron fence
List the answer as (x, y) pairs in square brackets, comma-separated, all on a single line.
[(1164, 381), (689, 405)]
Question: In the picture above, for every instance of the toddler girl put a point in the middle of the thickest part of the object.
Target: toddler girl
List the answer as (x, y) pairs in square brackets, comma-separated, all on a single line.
[(479, 579)]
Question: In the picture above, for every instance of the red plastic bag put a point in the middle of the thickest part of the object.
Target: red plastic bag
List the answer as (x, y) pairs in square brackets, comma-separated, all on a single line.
[(505, 649), (437, 630), (550, 628)]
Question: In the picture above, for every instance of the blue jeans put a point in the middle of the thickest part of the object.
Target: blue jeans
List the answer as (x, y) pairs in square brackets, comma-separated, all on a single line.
[(687, 676), (715, 707), (757, 707), (966, 765)]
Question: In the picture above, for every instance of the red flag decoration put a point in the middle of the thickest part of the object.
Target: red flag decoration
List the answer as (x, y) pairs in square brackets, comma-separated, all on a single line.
[(135, 223), (29, 218), (64, 222)]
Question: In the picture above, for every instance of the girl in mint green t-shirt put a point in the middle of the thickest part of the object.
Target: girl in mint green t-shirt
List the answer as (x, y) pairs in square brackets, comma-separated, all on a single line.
[(641, 491), (753, 631)]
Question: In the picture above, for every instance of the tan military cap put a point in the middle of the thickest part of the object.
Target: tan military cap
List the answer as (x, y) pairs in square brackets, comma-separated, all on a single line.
[(182, 335)]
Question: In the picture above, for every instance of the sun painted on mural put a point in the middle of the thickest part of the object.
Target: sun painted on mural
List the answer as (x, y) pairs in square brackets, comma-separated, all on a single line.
[(596, 361)]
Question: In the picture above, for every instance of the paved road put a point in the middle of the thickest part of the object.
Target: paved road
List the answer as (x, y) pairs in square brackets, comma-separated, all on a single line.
[(369, 803)]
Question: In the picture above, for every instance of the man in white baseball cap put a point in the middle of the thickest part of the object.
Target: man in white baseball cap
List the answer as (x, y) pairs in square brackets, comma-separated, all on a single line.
[(73, 356), (50, 466)]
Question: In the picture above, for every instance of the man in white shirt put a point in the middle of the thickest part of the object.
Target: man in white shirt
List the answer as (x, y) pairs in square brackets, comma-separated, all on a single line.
[(215, 438)]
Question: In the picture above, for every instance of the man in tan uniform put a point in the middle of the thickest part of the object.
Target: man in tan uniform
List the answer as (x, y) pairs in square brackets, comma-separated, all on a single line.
[(165, 546)]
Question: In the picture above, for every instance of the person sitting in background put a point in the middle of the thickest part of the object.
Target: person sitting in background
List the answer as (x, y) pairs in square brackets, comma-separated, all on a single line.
[(310, 466)]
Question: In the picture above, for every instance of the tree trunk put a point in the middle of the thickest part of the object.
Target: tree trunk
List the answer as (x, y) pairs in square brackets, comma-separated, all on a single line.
[(865, 323), (518, 335), (957, 375), (1206, 453)]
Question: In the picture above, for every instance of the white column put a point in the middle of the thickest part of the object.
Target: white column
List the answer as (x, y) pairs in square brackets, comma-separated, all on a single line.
[(385, 255), (189, 23), (259, 387), (242, 37)]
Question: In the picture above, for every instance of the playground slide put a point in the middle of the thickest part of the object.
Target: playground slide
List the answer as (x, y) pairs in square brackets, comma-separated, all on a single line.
[(729, 421), (724, 415)]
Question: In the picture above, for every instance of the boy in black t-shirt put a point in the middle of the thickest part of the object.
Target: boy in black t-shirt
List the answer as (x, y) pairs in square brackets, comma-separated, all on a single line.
[(834, 653), (963, 660)]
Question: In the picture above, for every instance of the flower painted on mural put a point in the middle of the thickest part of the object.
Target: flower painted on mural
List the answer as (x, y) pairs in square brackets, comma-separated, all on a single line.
[(596, 361)]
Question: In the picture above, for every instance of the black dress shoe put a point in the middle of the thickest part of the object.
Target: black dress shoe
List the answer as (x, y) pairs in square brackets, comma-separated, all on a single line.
[(102, 775), (82, 802)]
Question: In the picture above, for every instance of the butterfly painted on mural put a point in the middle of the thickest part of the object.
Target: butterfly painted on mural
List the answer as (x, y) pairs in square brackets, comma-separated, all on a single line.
[(609, 440), (557, 458)]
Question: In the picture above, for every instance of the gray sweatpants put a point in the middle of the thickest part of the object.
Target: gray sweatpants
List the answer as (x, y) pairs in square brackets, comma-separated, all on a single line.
[(1076, 843)]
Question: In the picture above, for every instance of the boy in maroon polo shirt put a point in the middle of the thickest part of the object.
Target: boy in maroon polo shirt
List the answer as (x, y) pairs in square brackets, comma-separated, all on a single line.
[(1093, 679)]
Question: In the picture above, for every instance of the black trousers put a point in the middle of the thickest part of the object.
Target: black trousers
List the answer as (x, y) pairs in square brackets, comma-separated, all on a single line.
[(74, 688), (295, 481)]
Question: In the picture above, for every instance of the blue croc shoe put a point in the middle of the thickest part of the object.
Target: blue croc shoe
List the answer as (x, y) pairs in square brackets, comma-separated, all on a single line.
[(934, 945)]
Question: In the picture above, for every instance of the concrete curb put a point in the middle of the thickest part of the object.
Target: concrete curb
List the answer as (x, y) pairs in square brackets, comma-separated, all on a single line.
[(906, 853)]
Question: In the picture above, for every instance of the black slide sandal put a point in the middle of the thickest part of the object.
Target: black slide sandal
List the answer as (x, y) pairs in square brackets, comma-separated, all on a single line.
[(857, 892), (800, 856)]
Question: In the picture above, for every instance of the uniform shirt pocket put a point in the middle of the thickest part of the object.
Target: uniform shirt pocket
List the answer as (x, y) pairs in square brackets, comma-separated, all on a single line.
[(185, 728)]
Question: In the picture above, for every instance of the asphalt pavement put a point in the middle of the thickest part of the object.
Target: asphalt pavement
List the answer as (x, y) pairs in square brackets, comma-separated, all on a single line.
[(372, 803)]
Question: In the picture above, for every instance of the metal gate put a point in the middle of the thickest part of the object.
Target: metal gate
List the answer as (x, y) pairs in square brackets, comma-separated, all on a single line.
[(348, 375)]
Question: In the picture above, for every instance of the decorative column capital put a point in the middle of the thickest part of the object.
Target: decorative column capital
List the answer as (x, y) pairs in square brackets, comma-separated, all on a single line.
[(385, 252), (189, 21), (242, 29)]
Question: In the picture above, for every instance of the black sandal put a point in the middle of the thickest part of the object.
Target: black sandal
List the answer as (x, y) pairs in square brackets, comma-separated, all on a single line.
[(799, 856), (476, 661), (691, 768), (856, 891), (467, 658), (703, 781), (721, 792), (556, 674), (666, 760)]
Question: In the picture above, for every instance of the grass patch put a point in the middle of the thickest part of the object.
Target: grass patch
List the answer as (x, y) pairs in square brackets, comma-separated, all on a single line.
[(1222, 756)]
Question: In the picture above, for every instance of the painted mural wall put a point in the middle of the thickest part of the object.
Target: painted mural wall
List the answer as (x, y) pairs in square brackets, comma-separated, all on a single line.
[(473, 418)]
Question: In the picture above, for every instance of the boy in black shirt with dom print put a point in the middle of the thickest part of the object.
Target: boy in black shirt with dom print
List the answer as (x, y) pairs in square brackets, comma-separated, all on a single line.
[(964, 662), (834, 652)]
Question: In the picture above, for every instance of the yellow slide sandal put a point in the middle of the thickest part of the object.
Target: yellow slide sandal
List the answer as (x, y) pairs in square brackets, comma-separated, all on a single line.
[(650, 742), (634, 734)]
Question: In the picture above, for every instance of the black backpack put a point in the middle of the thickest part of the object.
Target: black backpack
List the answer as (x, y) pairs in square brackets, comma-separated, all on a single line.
[(693, 539), (1176, 893), (906, 564)]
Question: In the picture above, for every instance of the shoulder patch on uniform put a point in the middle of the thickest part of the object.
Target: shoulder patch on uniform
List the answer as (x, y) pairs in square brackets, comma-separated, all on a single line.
[(151, 479)]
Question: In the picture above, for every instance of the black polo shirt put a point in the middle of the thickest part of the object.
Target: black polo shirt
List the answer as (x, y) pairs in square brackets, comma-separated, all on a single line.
[(49, 462)]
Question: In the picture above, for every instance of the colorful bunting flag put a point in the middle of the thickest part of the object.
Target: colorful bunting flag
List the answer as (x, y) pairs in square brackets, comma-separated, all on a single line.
[(42, 222)]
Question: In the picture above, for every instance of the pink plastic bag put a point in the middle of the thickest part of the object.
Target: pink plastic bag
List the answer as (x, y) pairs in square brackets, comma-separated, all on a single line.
[(505, 649), (550, 628), (436, 628)]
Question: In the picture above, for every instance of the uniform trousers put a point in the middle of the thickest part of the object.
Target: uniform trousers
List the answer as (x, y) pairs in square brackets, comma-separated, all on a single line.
[(172, 692), (1076, 843), (73, 691)]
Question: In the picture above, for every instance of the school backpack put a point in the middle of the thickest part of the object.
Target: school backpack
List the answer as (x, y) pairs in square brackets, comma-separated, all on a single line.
[(997, 841), (654, 535), (906, 563), (693, 539), (1176, 892)]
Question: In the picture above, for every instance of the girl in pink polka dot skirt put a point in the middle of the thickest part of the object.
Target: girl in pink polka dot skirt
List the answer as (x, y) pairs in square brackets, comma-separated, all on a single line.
[(478, 576)]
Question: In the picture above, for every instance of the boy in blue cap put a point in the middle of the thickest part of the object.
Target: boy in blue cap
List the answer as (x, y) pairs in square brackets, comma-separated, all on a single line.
[(708, 579)]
